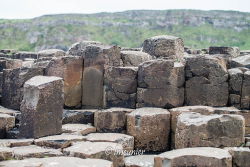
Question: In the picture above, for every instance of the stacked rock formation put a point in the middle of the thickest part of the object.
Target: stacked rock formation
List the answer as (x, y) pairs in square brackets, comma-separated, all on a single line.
[(161, 105)]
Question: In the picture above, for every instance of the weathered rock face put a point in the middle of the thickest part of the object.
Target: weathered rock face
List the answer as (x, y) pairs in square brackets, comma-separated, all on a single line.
[(78, 129), (42, 107), (58, 141), (175, 112), (10, 64), (77, 49), (235, 87), (126, 141), (16, 142), (24, 55), (1, 82), (200, 156), (139, 161), (245, 97), (33, 151), (239, 87), (28, 63), (57, 162), (232, 51), (5, 153), (242, 61), (51, 53), (196, 130), (240, 156), (207, 110), (206, 81), (134, 58), (97, 150), (160, 84), (78, 116), (70, 69), (121, 87), (246, 115), (6, 123), (164, 46), (150, 128), (111, 120), (97, 58), (13, 81)]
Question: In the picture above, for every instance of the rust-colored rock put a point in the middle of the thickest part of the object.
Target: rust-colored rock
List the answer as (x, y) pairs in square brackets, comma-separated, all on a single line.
[(70, 69), (97, 58)]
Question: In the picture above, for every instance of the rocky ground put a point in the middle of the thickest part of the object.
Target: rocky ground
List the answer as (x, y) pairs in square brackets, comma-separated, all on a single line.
[(163, 105)]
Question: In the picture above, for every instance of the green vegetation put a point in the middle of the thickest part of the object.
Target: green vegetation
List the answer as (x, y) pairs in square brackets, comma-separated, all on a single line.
[(199, 29)]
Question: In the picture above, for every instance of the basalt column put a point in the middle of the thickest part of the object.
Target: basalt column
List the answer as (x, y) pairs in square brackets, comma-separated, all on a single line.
[(97, 58)]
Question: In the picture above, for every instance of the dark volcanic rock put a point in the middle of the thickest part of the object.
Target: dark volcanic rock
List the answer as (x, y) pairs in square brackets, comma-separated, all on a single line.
[(233, 51), (164, 47), (120, 87), (42, 107), (78, 116), (206, 81), (97, 58), (13, 81), (242, 61), (160, 84)]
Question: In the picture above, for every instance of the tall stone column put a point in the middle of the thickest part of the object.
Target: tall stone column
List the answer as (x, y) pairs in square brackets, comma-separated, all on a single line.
[(42, 107)]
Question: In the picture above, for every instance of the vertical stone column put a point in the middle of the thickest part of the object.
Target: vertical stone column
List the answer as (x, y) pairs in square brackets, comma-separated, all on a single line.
[(160, 84), (206, 81), (245, 97), (70, 69), (120, 87), (42, 107), (97, 58)]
